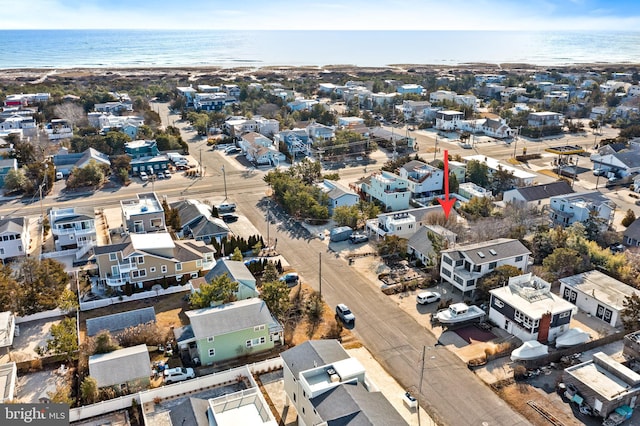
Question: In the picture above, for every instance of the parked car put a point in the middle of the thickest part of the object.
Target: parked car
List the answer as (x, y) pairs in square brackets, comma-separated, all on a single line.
[(344, 313), (599, 172), (358, 238), (427, 297), (233, 150), (290, 278), (167, 174), (182, 167), (144, 177), (226, 207), (229, 217), (178, 374)]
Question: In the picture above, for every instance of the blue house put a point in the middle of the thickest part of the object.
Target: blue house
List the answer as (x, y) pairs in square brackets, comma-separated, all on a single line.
[(410, 88), (146, 157), (5, 166), (297, 141)]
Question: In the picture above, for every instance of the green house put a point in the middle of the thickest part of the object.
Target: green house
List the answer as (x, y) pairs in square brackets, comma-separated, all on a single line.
[(229, 331)]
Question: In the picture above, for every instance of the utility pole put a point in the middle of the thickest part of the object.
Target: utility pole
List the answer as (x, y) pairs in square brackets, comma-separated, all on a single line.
[(424, 350), (201, 163), (320, 274), (224, 178)]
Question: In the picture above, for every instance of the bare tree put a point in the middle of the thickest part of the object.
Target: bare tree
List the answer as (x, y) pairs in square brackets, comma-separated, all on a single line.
[(71, 112)]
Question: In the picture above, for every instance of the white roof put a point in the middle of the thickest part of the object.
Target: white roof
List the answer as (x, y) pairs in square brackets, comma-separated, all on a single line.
[(158, 240), (493, 164), (536, 308), (602, 287)]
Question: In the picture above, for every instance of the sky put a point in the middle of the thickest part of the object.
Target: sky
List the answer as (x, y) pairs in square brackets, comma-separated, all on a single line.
[(545, 15)]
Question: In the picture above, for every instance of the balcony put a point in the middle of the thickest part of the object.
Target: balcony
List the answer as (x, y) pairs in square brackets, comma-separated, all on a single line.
[(127, 267), (76, 231), (116, 282)]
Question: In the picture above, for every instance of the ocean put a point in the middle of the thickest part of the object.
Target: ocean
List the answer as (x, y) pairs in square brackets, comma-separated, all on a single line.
[(185, 48)]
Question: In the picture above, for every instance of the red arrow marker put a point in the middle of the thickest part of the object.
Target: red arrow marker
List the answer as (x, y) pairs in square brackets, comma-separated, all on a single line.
[(447, 202)]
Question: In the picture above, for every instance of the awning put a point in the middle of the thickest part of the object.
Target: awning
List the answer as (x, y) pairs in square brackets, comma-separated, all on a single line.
[(577, 399)]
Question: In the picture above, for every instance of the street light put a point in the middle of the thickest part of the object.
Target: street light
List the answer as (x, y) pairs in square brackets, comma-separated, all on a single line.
[(224, 179)]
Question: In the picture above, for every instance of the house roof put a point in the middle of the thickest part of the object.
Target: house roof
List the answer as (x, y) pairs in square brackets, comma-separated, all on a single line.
[(120, 321), (120, 366), (8, 375), (191, 411), (534, 308), (421, 242), (203, 227), (594, 197), (236, 270), (151, 241), (601, 287), (13, 225), (229, 318), (313, 353), (631, 159), (93, 154), (351, 404), (542, 192), (610, 379), (188, 250), (111, 248), (633, 230), (191, 210), (504, 248), (415, 164), (6, 330)]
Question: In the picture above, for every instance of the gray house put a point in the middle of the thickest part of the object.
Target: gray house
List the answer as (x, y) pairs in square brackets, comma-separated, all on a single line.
[(239, 273), (127, 369), (197, 221), (115, 323), (143, 214)]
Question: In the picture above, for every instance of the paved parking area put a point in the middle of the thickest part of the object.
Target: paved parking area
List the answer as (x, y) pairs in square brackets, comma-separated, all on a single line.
[(31, 335)]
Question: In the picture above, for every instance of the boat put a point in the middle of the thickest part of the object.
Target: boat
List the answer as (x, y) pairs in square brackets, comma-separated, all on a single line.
[(458, 313), (572, 337), (530, 349)]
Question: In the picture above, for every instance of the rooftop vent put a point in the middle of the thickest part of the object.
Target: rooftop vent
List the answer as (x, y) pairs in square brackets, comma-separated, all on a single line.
[(481, 254), (493, 252)]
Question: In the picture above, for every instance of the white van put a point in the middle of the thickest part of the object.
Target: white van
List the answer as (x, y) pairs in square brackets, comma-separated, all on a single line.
[(226, 207)]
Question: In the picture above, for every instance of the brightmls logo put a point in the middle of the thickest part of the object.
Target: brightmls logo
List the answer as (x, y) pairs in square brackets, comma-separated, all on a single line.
[(34, 414)]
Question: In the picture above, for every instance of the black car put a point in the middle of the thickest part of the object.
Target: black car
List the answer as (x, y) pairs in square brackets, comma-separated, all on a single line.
[(228, 218)]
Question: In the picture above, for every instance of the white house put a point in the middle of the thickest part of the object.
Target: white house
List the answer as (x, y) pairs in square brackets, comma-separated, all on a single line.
[(597, 294), (544, 118), (389, 189), (536, 195), (423, 180), (402, 223), (260, 149), (570, 208), (441, 95), (327, 386), (464, 265), (14, 237), (73, 229), (448, 120), (521, 177), (527, 309), (420, 244)]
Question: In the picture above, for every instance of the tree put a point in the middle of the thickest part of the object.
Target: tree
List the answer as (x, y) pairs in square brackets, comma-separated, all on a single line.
[(631, 313), (499, 277), (563, 262), (42, 284), (92, 174), (220, 290), (62, 394), (9, 290), (346, 216), (270, 273), (392, 245), (478, 173), (628, 219), (276, 295), (64, 338), (104, 343), (237, 255), (15, 181), (89, 390), (68, 301), (478, 207), (502, 180)]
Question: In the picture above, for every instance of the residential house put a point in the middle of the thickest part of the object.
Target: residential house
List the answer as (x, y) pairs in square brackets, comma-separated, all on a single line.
[(622, 163), (402, 223), (231, 90), (388, 189), (448, 120), (128, 125), (423, 180), (73, 229), (238, 272), (59, 129), (527, 309), (64, 162), (8, 378), (302, 104), (441, 96), (207, 88), (145, 157), (7, 331), (117, 323), (151, 258), (237, 125), (418, 110), (350, 121), (188, 93), (212, 101), (603, 383), (520, 177), (143, 214), (339, 195), (537, 195), (198, 222), (381, 99), (259, 149), (410, 88), (7, 165), (544, 118), (631, 235), (320, 133), (113, 107), (22, 123), (327, 386), (598, 295), (127, 370), (326, 88), (579, 207), (297, 142), (464, 265), (496, 128), (228, 331), (14, 237), (420, 245), (24, 99)]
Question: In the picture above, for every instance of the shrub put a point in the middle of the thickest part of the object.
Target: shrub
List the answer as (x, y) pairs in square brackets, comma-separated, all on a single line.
[(519, 372)]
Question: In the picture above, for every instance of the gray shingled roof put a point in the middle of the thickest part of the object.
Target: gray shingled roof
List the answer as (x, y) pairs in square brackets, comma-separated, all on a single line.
[(14, 225), (203, 227), (191, 411), (120, 366), (236, 270), (120, 321), (229, 318), (504, 247), (351, 404), (629, 158), (111, 248), (420, 241), (633, 230), (595, 197), (413, 164), (541, 192), (313, 353)]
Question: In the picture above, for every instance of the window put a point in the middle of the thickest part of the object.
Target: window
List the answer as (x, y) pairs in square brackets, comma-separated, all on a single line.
[(262, 340), (498, 303), (258, 327), (212, 352), (447, 260), (194, 275), (210, 339), (248, 343), (113, 257), (140, 260), (178, 266), (163, 269), (446, 272), (152, 269), (458, 279), (564, 314), (199, 263), (139, 273), (519, 259), (492, 265), (156, 223), (1, 251), (303, 407)]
